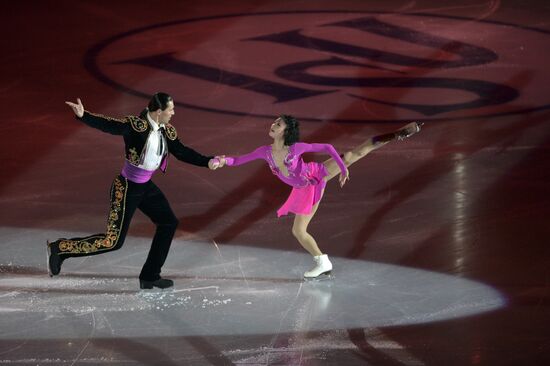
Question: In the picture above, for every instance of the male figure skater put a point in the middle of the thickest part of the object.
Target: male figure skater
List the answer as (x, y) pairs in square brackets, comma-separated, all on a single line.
[(148, 139)]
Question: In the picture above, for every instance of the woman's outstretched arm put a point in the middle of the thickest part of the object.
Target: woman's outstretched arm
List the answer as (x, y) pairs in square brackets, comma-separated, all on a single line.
[(259, 153)]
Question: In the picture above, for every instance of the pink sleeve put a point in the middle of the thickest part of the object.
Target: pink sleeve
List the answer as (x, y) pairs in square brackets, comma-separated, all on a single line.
[(259, 153), (301, 147)]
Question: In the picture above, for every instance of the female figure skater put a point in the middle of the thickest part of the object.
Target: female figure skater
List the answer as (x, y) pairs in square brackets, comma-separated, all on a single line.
[(308, 180)]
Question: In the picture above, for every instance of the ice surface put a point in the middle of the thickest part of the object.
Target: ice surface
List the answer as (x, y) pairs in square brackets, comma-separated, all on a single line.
[(219, 290)]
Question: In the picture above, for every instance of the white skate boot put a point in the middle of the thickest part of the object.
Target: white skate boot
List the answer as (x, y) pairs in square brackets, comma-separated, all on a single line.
[(408, 130), (322, 266)]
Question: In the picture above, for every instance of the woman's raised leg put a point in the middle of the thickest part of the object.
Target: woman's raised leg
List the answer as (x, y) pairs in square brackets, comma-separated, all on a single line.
[(371, 144)]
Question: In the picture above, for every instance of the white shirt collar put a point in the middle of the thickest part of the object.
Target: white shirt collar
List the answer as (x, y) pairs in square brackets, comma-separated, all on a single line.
[(153, 124)]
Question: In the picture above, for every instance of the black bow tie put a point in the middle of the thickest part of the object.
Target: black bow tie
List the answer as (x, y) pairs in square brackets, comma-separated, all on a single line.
[(162, 131)]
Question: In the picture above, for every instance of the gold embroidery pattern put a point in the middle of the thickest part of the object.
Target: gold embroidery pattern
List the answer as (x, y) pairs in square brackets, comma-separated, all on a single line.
[(133, 156), (171, 132), (107, 117), (138, 124), (98, 243)]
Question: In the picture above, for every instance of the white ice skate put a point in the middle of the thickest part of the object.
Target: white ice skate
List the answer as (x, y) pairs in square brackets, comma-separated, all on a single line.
[(323, 266), (408, 130)]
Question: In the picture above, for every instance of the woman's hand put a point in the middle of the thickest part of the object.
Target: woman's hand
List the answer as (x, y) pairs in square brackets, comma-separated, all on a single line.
[(78, 108), (344, 178)]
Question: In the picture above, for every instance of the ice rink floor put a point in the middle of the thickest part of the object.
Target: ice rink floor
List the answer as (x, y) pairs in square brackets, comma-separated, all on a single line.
[(439, 242)]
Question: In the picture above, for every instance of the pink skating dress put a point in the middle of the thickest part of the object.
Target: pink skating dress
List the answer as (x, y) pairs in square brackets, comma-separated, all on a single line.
[(306, 179)]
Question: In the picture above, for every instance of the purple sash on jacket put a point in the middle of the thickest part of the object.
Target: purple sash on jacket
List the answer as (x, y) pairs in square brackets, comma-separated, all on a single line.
[(135, 174)]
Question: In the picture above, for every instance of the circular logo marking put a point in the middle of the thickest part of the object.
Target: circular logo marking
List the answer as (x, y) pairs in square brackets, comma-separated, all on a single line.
[(339, 66)]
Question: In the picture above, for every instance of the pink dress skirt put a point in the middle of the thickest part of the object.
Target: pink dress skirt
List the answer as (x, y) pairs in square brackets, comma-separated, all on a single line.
[(302, 199)]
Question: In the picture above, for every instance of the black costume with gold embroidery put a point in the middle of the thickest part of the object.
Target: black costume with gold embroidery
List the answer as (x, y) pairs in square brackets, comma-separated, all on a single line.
[(127, 196), (135, 131)]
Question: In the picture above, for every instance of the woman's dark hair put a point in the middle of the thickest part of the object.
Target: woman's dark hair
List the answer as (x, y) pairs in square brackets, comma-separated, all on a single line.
[(158, 101), (292, 130)]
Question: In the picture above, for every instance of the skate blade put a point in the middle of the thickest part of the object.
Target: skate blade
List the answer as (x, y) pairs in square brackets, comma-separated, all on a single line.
[(48, 254), (325, 276)]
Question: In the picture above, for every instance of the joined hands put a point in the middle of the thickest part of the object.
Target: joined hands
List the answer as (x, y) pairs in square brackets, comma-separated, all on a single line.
[(217, 162)]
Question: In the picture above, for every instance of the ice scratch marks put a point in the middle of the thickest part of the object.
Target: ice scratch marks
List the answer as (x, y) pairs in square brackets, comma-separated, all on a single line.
[(197, 289), (207, 182), (90, 336), (284, 317), (241, 269), (15, 348), (221, 257), (81, 352)]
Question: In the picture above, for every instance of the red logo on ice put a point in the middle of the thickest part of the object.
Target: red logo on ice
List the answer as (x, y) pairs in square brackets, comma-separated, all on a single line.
[(333, 65)]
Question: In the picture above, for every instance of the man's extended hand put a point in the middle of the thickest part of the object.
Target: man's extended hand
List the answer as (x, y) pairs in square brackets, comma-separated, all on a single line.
[(78, 108)]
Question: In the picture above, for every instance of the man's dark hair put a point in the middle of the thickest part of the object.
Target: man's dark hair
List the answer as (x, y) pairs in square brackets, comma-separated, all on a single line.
[(158, 101), (292, 130)]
